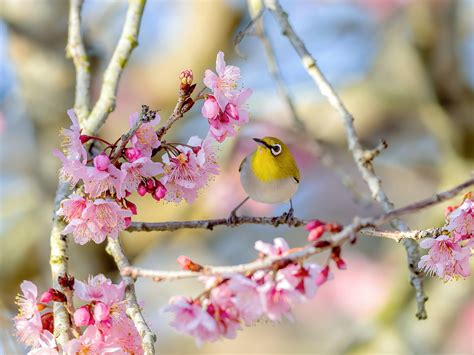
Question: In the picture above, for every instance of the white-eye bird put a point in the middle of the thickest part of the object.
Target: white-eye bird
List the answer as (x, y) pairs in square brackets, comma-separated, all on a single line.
[(269, 174)]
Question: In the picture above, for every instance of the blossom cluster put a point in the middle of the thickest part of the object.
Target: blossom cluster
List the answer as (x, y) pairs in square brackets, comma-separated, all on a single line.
[(233, 300), (177, 173), (449, 253), (225, 108), (101, 325)]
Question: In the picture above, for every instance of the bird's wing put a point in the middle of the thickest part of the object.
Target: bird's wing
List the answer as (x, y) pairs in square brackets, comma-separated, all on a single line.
[(242, 163)]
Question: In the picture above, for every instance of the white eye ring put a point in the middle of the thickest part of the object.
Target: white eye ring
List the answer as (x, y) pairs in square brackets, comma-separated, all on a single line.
[(276, 149)]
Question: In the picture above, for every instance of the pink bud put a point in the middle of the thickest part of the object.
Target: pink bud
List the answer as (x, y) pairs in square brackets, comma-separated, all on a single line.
[(322, 276), (46, 297), (82, 316), (160, 192), (84, 139), (210, 109), (141, 189), (101, 312), (131, 206), (188, 264), (341, 264), (186, 77), (316, 233), (150, 185), (313, 224), (133, 154), (101, 162), (232, 112)]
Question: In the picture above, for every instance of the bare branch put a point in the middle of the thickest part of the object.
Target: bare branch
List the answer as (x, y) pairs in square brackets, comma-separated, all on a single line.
[(127, 42), (133, 309), (358, 225), (75, 49), (365, 168), (399, 236)]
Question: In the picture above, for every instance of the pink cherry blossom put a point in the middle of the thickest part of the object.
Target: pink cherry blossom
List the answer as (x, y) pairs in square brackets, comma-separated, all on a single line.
[(189, 171), (124, 335), (99, 219), (190, 318), (28, 321), (72, 207), (46, 345), (222, 309), (71, 144), (145, 137), (100, 289), (102, 315), (223, 123), (446, 258), (90, 342), (224, 83), (72, 170), (279, 247), (276, 301), (82, 316), (102, 178), (134, 172), (461, 219), (246, 298), (300, 278)]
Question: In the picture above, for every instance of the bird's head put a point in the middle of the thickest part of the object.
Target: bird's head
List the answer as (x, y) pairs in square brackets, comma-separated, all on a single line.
[(272, 152)]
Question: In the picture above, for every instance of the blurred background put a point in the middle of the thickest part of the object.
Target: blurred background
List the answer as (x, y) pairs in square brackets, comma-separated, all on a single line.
[(403, 67)]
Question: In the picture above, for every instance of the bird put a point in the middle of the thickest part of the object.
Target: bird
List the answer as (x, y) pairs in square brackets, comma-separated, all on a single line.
[(269, 174)]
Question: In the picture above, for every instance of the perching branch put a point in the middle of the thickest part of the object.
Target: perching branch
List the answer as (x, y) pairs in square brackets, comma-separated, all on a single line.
[(364, 165), (358, 225), (75, 49), (133, 309), (297, 222), (127, 42)]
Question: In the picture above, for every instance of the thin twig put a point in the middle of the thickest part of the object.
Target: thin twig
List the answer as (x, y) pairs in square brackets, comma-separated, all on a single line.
[(133, 309), (127, 42), (338, 239), (399, 236), (365, 167), (75, 49)]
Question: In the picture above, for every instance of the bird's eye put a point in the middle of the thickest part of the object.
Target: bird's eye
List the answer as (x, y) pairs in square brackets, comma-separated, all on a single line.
[(276, 149)]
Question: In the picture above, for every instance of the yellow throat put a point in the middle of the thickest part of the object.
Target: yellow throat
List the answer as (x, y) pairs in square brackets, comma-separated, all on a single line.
[(273, 160)]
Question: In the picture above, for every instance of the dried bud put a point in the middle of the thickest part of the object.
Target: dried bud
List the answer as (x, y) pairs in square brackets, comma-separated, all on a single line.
[(47, 321), (333, 227), (66, 282), (187, 105), (188, 264), (322, 244), (336, 257)]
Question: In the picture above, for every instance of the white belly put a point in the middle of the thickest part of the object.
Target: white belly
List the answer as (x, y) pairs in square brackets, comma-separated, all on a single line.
[(277, 191)]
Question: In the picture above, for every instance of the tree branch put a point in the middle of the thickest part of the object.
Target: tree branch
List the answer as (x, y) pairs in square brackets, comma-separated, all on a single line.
[(133, 309), (75, 50), (127, 42), (358, 225), (365, 167)]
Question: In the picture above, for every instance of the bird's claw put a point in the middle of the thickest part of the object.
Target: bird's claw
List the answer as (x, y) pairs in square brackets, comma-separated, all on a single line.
[(232, 220), (288, 216)]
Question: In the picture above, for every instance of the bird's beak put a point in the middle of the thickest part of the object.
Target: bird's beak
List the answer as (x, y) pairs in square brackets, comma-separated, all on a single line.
[(259, 142)]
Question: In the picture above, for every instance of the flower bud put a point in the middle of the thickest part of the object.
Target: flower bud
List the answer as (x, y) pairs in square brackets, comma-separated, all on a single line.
[(142, 189), (46, 297), (188, 264), (159, 192), (82, 316), (150, 185), (66, 282), (316, 233), (313, 224), (131, 206), (186, 77), (133, 154), (101, 162), (322, 276), (101, 312), (84, 139)]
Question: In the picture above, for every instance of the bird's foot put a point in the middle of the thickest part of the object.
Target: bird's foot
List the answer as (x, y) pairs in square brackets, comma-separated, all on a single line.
[(288, 216), (233, 219)]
